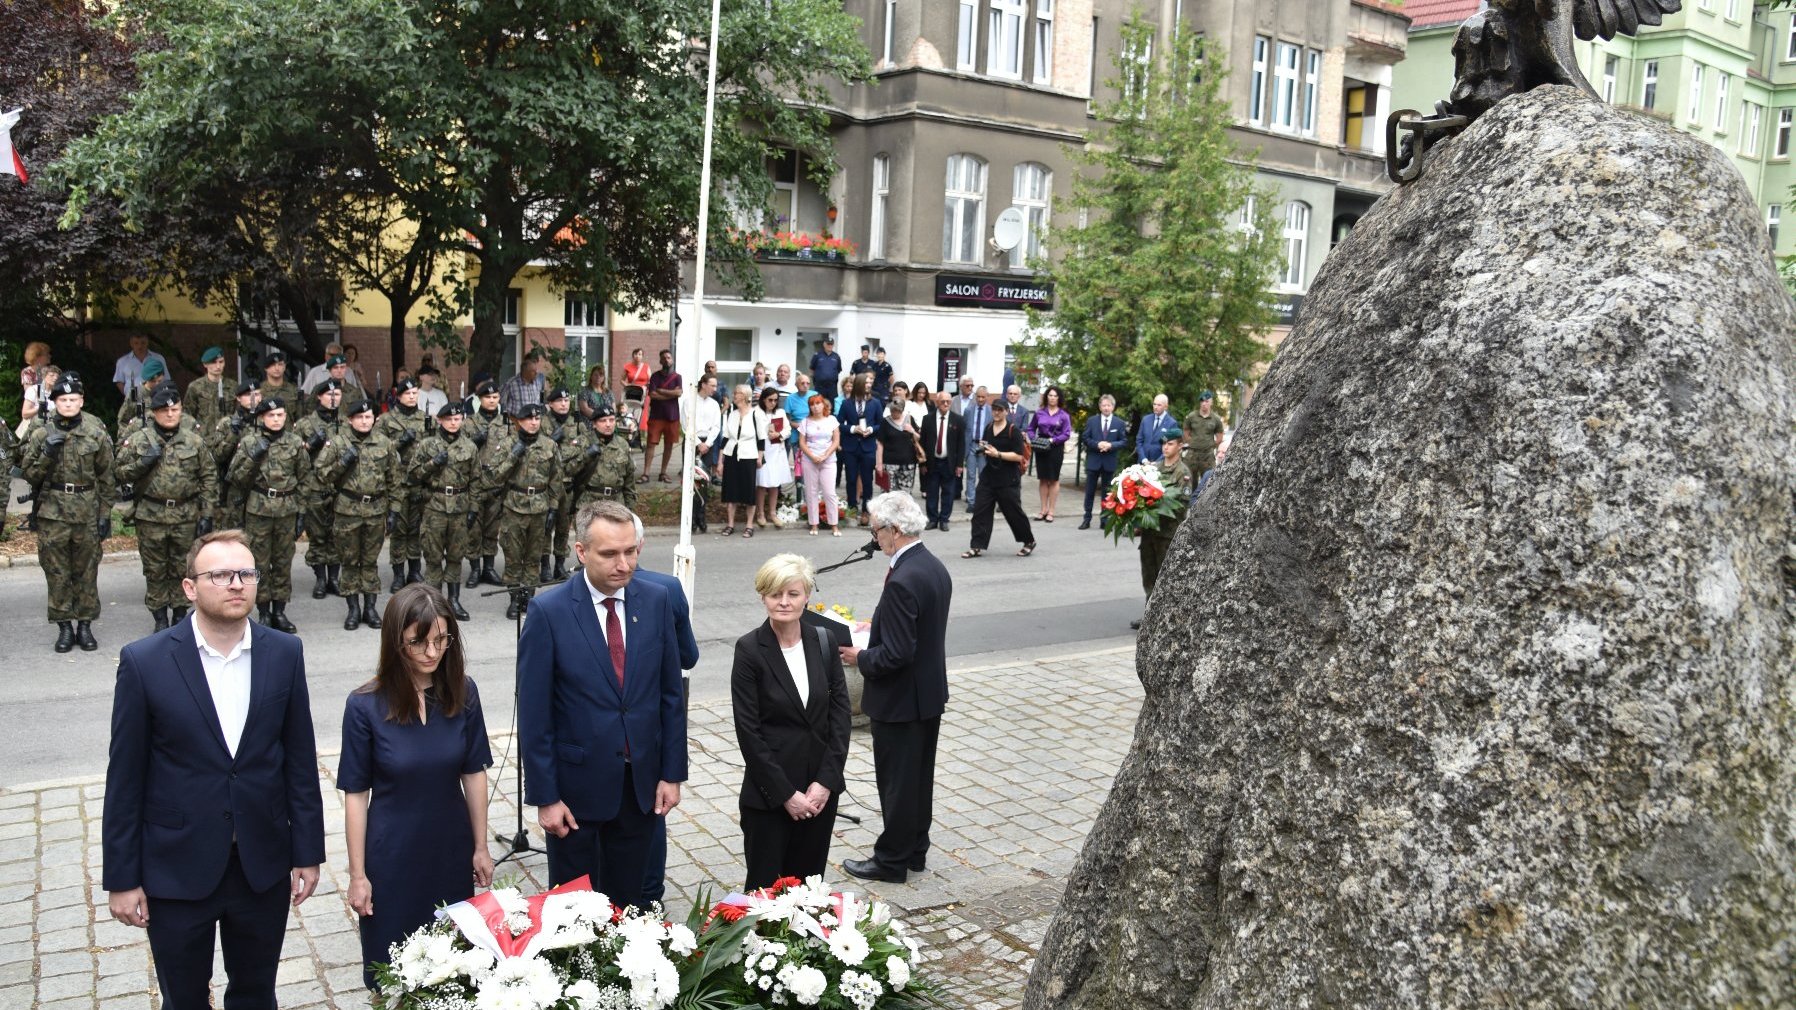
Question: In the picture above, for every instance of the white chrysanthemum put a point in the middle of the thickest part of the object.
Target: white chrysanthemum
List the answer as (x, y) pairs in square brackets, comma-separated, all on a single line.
[(584, 992), (576, 906), (519, 983), (765, 981), (848, 946), (569, 934), (516, 908), (767, 962), (897, 972), (642, 929), (475, 962), (860, 989), (805, 983), (654, 981), (681, 941)]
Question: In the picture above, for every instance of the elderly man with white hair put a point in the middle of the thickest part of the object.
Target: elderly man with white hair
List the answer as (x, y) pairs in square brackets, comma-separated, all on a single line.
[(905, 665)]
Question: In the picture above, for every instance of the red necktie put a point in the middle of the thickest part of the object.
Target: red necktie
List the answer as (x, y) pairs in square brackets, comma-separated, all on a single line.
[(614, 637)]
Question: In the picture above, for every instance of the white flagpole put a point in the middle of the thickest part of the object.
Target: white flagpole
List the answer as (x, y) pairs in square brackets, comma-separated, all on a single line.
[(685, 557)]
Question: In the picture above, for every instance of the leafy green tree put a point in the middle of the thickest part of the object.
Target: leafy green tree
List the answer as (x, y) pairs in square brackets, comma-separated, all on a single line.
[(1163, 287)]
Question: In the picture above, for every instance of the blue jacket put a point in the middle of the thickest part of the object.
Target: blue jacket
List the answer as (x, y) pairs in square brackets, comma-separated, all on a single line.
[(1148, 438), (850, 415), (682, 615), (574, 724), (176, 798), (1098, 428)]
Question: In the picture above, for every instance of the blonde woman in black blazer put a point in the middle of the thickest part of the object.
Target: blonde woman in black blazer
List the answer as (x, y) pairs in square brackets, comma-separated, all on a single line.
[(791, 708)]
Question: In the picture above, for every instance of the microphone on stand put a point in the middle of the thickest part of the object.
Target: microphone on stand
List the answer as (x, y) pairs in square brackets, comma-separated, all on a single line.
[(868, 549)]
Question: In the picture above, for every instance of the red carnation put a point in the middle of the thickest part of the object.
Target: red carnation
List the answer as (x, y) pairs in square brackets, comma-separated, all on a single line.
[(786, 884), (727, 912)]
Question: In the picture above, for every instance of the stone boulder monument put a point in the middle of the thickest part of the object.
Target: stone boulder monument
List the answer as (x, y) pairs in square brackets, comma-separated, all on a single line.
[(1471, 682)]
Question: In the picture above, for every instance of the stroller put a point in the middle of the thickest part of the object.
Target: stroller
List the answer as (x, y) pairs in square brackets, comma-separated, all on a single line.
[(630, 413), (701, 484)]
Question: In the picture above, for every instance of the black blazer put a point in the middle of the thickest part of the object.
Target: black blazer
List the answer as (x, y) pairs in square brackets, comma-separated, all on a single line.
[(906, 659), (784, 747), (957, 439), (175, 797)]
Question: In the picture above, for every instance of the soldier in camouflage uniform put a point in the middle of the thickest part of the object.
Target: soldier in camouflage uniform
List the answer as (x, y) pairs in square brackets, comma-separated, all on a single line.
[(567, 431), (605, 467), (222, 443), (525, 468), (274, 381), (136, 405), (405, 426), (209, 396), (68, 461), (314, 430), (484, 426), (270, 465), (1174, 472), (446, 465), (338, 368), (9, 458), (364, 469), (176, 485)]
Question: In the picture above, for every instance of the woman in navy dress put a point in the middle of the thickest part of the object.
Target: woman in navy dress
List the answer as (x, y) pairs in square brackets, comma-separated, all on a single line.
[(413, 772)]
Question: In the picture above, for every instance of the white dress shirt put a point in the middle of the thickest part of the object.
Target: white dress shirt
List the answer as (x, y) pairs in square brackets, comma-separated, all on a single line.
[(228, 678), (598, 606), (893, 561), (796, 666)]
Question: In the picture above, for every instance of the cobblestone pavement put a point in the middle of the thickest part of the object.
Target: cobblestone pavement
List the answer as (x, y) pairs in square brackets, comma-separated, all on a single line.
[(1027, 754)]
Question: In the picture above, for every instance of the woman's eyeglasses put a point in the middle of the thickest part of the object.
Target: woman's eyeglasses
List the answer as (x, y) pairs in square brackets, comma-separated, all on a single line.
[(425, 646)]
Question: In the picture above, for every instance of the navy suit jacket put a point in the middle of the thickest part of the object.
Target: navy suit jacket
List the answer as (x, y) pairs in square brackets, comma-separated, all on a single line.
[(576, 726), (175, 798), (905, 663), (852, 414), (1098, 428), (1149, 436), (682, 615)]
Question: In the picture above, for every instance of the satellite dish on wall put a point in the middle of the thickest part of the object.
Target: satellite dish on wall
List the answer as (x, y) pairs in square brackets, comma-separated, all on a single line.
[(1009, 230)]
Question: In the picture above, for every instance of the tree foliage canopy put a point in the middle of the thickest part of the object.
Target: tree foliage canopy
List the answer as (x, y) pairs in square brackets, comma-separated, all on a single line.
[(1162, 287)]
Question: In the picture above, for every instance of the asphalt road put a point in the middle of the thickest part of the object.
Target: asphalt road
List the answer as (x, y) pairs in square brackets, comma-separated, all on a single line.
[(1077, 592)]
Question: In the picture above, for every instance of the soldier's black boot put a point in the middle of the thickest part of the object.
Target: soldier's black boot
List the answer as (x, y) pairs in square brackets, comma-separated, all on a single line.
[(473, 573), (560, 568), (370, 616), (65, 636), (452, 589), (84, 636), (319, 574), (542, 569), (178, 616), (354, 620), (161, 616), (488, 577), (331, 574), (277, 615), (516, 606), (414, 568), (262, 614), (398, 578)]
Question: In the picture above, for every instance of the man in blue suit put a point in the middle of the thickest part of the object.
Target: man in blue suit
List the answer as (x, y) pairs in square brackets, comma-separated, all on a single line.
[(1102, 435), (859, 417), (601, 712), (213, 819), (1149, 436), (655, 884)]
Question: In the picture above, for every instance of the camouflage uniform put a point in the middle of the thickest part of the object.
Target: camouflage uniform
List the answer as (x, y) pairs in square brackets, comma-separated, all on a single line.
[(226, 435), (570, 432), (526, 471), (176, 485), (75, 493), (605, 470), (134, 409), (1154, 545), (9, 455), (364, 470), (133, 425), (271, 469), (448, 531), (484, 431), (405, 428), (206, 401), (314, 430)]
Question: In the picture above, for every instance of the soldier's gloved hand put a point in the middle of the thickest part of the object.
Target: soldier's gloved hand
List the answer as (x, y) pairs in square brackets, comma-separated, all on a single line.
[(258, 448), (127, 492), (555, 436), (203, 527), (299, 525), (350, 455), (473, 517), (479, 439), (105, 526), (441, 458), (53, 441), (152, 450), (593, 450), (316, 442), (407, 438), (392, 521), (236, 425), (518, 449)]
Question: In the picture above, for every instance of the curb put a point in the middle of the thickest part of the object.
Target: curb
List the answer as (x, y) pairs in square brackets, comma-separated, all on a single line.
[(30, 560)]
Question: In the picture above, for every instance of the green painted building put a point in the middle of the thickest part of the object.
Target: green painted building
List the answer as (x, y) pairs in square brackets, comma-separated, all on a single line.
[(1723, 70)]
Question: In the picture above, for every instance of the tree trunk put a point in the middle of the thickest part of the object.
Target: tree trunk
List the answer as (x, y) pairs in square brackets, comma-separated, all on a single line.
[(398, 308), (486, 348)]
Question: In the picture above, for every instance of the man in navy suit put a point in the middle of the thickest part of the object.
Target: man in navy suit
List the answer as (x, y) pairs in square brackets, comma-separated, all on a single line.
[(859, 417), (212, 799), (1102, 435), (1149, 436), (905, 665), (601, 711), (654, 886)]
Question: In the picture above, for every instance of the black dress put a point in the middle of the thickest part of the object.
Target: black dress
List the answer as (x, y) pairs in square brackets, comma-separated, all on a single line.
[(1000, 487), (739, 473), (419, 847)]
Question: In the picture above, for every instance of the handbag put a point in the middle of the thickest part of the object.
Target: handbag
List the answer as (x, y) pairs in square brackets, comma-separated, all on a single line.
[(1041, 444), (882, 480)]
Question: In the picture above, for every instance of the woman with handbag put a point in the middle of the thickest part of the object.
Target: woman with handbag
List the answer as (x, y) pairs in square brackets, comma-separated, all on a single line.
[(775, 470), (897, 451), (1048, 430), (1001, 484), (744, 450)]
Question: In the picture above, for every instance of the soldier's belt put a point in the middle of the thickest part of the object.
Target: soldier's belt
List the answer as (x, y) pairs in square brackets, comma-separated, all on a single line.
[(361, 499), (69, 488), (521, 489), (449, 490), (268, 492), (606, 491), (167, 503)]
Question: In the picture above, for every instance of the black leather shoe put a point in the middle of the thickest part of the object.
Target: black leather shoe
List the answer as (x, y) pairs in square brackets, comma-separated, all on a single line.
[(354, 620), (452, 589), (370, 616), (161, 616), (84, 636), (65, 636), (277, 617), (331, 574), (398, 579), (319, 575), (943, 526), (867, 869), (1086, 524)]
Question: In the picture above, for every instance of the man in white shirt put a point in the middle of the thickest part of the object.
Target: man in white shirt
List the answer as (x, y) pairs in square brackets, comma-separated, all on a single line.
[(322, 371), (213, 820), (127, 373), (782, 379), (430, 398)]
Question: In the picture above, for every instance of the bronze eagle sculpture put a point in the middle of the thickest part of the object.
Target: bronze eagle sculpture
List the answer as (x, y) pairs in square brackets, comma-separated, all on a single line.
[(1508, 47)]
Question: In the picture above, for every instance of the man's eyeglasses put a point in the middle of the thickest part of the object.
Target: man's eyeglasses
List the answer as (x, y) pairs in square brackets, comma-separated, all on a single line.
[(425, 646), (221, 577)]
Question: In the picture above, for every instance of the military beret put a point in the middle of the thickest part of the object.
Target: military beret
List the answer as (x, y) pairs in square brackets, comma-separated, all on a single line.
[(248, 386), (328, 385), (450, 409), (164, 396), (1207, 395), (335, 360), (603, 411), (404, 384), (274, 355), (1171, 433), (529, 410), (211, 354), (558, 393), (152, 368), (362, 406), (272, 403), (486, 388), (68, 385)]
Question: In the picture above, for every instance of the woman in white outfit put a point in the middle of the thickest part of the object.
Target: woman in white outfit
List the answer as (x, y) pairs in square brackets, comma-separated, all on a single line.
[(775, 468)]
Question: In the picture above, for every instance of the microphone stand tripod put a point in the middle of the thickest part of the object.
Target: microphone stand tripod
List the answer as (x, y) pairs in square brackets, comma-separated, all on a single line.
[(517, 845), (864, 552)]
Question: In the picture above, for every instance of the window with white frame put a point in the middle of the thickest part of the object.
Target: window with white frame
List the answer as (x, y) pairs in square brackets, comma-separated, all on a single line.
[(583, 318), (1749, 129), (785, 167), (1721, 104), (1732, 11), (1297, 243), (1649, 84), (1284, 88), (963, 210), (1312, 90), (1785, 118), (1774, 216), (1031, 193), (1004, 53), (1696, 93), (876, 220), (1247, 218), (513, 297), (1790, 40), (1705, 5), (1256, 91), (967, 51), (1611, 64), (891, 31), (1044, 41), (1138, 59)]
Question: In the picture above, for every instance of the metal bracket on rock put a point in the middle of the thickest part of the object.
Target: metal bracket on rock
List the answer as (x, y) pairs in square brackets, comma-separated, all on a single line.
[(1404, 161)]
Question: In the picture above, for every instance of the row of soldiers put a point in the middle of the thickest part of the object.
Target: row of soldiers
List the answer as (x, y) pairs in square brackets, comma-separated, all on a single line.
[(464, 485)]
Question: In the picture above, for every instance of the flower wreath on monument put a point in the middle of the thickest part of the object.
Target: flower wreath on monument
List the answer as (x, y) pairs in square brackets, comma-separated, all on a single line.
[(793, 944), (1138, 502)]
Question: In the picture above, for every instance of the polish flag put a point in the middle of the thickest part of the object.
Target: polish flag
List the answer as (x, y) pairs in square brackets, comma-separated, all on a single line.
[(9, 158)]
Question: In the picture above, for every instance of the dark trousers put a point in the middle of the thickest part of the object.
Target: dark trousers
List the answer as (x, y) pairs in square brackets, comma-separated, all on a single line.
[(250, 926), (1097, 482), (857, 468), (990, 499), (774, 845), (615, 853), (904, 767), (938, 491)]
